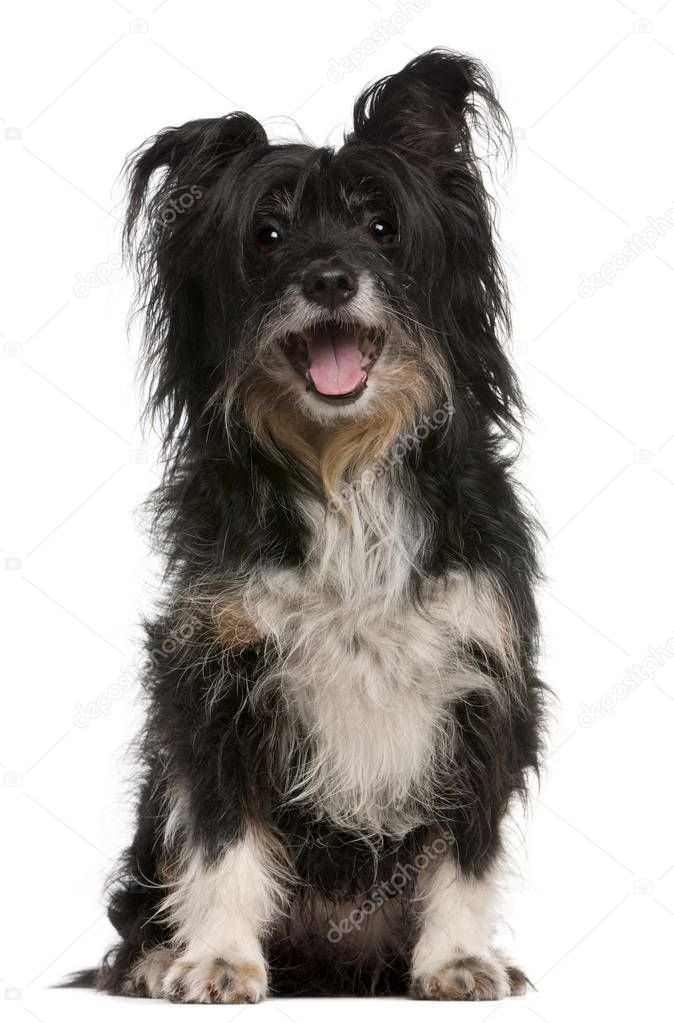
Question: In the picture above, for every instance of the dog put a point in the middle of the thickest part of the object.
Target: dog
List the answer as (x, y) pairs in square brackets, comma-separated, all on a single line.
[(341, 683)]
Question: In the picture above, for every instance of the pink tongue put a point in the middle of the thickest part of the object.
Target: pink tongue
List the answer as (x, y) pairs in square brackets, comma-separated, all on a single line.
[(334, 362)]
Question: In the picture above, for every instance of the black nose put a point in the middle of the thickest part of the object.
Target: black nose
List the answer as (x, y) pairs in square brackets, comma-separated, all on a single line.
[(329, 283)]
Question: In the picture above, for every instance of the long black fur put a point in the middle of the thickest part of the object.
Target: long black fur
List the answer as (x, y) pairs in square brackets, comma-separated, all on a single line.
[(227, 504)]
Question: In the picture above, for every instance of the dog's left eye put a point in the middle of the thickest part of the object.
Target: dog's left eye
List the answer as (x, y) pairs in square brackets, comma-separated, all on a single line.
[(383, 231), (268, 238)]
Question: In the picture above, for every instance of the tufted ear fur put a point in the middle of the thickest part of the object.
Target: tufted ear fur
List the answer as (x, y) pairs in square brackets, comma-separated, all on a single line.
[(190, 156), (431, 109), (431, 115), (171, 181)]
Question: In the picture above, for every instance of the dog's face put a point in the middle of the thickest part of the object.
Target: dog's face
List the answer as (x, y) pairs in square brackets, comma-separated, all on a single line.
[(326, 285), (336, 309)]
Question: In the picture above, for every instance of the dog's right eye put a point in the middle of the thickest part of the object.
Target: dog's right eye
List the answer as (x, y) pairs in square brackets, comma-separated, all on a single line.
[(268, 238), (382, 231)]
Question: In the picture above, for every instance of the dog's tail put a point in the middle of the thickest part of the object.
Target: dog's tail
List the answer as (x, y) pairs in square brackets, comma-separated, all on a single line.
[(80, 978)]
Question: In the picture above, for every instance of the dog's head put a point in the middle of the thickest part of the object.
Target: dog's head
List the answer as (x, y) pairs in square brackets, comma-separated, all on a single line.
[(324, 287)]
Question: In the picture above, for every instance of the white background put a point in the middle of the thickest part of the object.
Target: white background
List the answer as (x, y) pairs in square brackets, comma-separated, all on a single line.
[(589, 89)]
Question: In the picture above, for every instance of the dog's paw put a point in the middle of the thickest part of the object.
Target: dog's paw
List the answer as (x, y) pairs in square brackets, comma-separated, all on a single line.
[(147, 976), (214, 980), (470, 978)]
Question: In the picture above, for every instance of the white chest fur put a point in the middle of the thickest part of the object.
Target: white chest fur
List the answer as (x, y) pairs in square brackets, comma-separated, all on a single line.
[(367, 675)]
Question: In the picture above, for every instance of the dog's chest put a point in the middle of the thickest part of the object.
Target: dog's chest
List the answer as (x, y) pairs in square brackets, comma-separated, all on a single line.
[(367, 674)]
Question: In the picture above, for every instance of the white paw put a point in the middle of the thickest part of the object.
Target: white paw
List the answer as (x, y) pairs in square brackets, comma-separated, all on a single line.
[(214, 979), (470, 978)]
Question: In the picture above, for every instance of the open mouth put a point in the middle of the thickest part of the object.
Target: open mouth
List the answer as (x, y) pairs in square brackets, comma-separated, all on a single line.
[(335, 359)]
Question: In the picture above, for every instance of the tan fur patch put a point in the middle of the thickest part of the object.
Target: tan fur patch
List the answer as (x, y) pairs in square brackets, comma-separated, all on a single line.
[(234, 627), (349, 450), (343, 451), (276, 421)]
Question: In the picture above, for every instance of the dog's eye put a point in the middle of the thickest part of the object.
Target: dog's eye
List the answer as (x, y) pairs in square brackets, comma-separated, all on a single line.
[(382, 231), (268, 238)]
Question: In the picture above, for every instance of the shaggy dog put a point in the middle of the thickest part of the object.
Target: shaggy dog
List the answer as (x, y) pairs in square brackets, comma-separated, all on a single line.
[(341, 682)]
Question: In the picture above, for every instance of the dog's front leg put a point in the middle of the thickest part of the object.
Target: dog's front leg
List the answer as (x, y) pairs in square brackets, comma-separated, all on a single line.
[(452, 959), (218, 911)]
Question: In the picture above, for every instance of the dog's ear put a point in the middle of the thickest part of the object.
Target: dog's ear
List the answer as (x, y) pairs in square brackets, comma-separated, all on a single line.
[(166, 229), (430, 109), (191, 155)]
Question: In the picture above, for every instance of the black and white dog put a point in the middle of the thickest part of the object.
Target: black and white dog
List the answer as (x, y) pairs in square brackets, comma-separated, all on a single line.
[(341, 685)]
